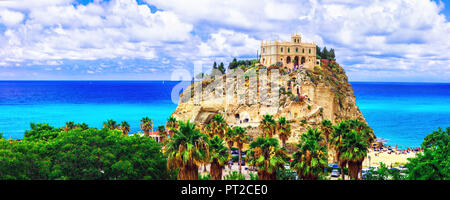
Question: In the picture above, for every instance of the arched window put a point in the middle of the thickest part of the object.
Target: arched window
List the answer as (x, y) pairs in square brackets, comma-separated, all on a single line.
[(303, 50), (264, 50), (309, 51), (296, 49), (289, 50), (281, 49)]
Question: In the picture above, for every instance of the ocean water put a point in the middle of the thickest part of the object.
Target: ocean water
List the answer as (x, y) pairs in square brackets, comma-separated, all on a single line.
[(401, 113), (91, 102), (404, 113)]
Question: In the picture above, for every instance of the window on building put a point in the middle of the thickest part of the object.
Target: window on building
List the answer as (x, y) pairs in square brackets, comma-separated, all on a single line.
[(264, 50), (289, 50), (296, 49), (310, 51), (303, 50), (281, 49)]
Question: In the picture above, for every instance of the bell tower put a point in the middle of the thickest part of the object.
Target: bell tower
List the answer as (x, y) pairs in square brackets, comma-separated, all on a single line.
[(296, 38)]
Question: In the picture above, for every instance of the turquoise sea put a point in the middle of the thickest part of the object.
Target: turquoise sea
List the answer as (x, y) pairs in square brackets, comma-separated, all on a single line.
[(401, 113)]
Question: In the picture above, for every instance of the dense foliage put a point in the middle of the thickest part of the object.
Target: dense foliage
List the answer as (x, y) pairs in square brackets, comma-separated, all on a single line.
[(98, 154), (243, 64), (325, 54), (434, 163)]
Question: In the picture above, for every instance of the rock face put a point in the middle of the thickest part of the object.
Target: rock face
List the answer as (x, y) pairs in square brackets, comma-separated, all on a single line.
[(304, 96)]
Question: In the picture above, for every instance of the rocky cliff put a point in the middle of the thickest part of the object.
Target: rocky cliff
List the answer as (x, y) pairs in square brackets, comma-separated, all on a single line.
[(306, 96)]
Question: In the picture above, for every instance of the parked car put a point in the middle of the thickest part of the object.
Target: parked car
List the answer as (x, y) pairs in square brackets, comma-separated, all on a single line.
[(286, 166), (364, 173), (335, 173), (374, 168)]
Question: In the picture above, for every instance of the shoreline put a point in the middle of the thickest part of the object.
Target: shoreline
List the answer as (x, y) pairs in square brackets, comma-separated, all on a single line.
[(389, 158)]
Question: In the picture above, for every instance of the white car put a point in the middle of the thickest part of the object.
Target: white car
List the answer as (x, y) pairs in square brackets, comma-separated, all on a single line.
[(335, 173)]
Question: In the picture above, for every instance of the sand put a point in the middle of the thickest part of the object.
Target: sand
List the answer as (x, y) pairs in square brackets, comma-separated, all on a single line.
[(386, 158)]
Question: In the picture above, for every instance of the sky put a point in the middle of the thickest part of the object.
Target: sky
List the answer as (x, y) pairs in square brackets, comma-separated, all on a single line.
[(379, 40)]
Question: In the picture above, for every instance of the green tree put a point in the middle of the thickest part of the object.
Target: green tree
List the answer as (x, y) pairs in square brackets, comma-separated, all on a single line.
[(229, 138), (69, 126), (92, 154), (233, 64), (162, 133), (434, 162), (41, 132), (82, 126), (318, 52), (266, 155), (331, 54), (146, 125), (267, 126), (171, 125), (325, 53), (222, 68), (186, 150), (124, 127), (327, 128), (110, 124), (311, 159), (218, 125), (219, 156), (240, 138), (336, 141), (353, 150), (283, 129)]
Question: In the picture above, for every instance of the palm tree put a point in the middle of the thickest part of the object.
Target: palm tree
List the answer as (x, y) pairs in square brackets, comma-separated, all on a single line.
[(218, 125), (208, 130), (353, 150), (267, 126), (284, 130), (336, 141), (125, 127), (311, 158), (146, 125), (69, 126), (219, 156), (229, 138), (267, 156), (327, 128), (171, 124), (363, 128), (110, 124), (186, 150), (367, 135), (83, 126), (240, 138), (162, 133)]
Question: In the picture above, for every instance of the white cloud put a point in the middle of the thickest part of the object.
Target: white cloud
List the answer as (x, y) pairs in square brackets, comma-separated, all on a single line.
[(120, 28), (10, 18), (387, 37), (228, 43)]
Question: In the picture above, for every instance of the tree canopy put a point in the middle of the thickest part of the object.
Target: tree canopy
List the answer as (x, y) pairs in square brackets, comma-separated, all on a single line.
[(47, 153)]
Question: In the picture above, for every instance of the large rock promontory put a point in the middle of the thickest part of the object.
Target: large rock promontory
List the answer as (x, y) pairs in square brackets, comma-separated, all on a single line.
[(306, 96)]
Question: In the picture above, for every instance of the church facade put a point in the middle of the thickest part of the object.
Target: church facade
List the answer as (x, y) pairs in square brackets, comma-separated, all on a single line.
[(288, 54)]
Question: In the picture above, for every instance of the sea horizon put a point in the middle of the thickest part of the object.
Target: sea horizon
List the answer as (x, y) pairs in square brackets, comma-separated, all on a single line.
[(190, 80), (399, 112)]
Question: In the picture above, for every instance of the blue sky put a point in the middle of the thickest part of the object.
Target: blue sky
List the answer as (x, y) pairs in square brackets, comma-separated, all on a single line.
[(382, 40)]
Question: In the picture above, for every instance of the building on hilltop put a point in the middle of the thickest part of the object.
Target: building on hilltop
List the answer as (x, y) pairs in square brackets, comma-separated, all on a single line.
[(288, 54)]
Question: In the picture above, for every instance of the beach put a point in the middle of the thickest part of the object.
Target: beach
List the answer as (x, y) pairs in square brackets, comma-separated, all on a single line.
[(389, 160)]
